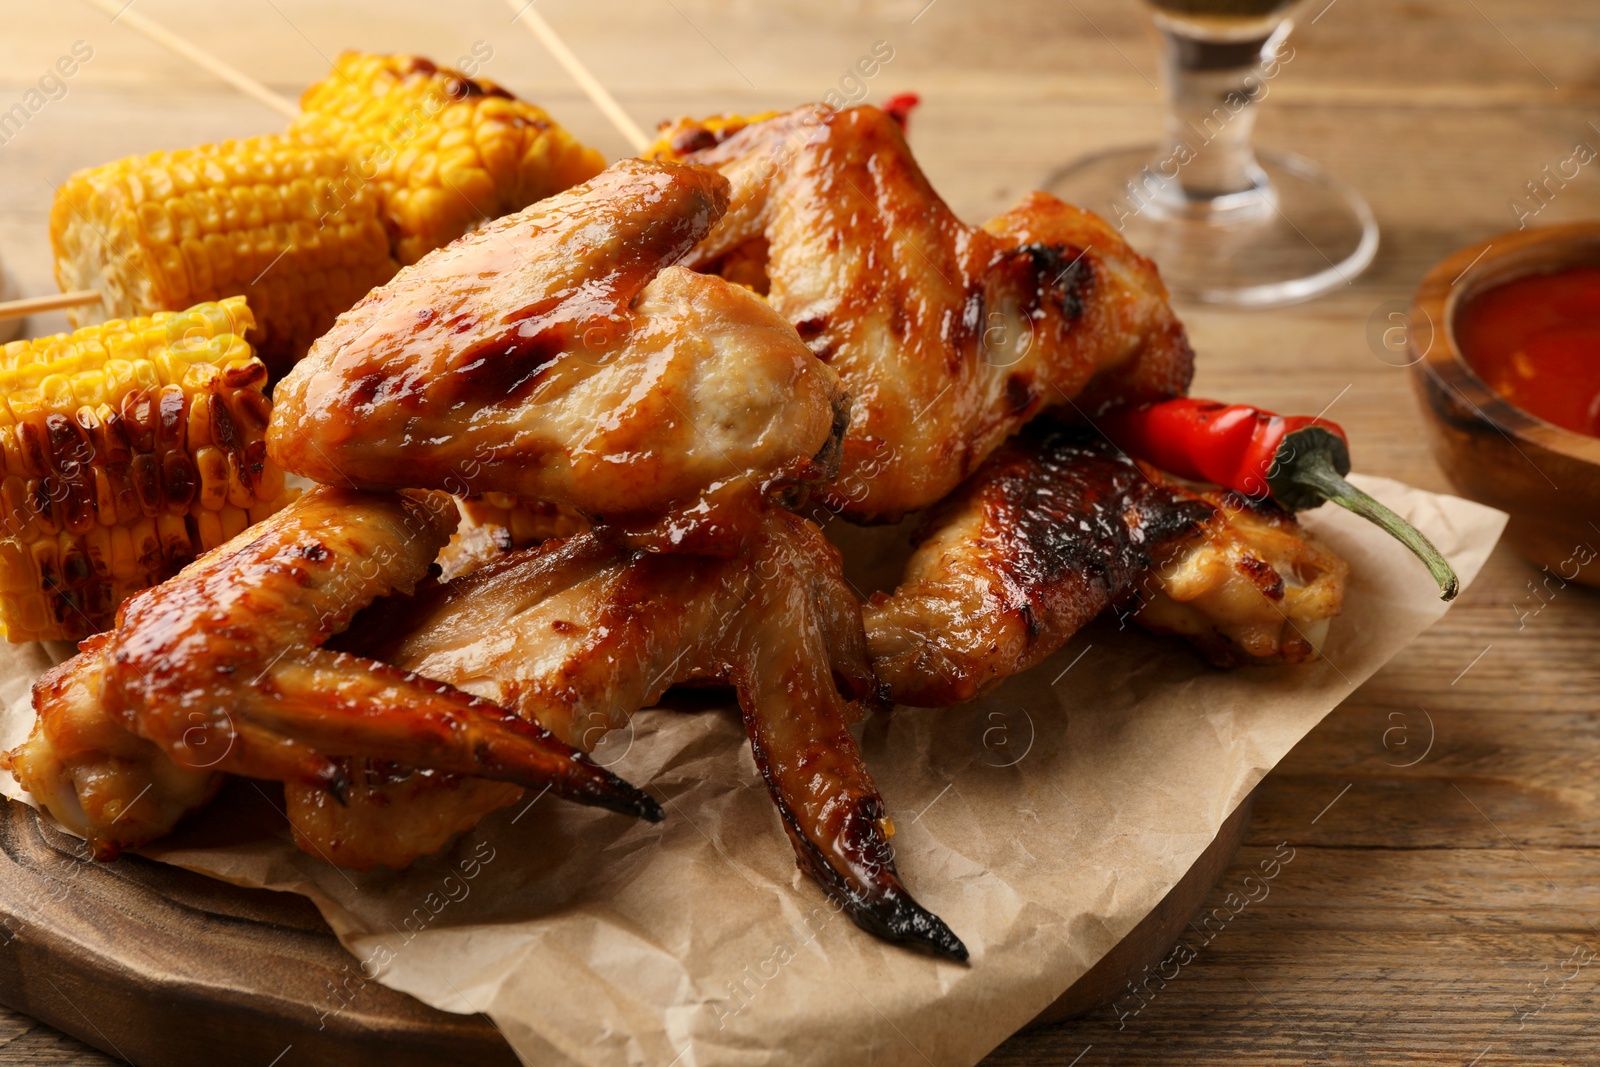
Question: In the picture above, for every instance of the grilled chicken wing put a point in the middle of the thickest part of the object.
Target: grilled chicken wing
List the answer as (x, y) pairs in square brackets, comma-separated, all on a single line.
[(219, 670), (1254, 588), (556, 355), (391, 813), (578, 634), (1054, 530), (1047, 535), (102, 782), (949, 338)]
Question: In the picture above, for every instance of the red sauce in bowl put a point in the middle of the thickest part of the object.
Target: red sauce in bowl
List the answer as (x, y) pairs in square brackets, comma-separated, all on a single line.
[(1536, 341)]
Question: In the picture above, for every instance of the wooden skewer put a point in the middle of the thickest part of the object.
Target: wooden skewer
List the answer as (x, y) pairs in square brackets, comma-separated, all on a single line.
[(16, 309), (574, 66), (121, 11)]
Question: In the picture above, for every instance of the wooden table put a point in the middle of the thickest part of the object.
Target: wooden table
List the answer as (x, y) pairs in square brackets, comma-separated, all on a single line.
[(1442, 902)]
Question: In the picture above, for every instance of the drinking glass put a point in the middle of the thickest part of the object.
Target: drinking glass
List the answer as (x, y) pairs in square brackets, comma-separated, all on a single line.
[(1226, 224)]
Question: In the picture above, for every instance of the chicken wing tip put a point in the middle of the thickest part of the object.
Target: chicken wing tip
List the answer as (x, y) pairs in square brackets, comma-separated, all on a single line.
[(878, 903), (618, 795), (895, 916)]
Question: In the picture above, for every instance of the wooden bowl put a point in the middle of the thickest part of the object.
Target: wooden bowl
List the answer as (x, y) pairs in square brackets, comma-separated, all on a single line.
[(1546, 478)]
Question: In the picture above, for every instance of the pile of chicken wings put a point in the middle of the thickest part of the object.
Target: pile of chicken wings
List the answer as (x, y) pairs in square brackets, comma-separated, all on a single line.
[(695, 363)]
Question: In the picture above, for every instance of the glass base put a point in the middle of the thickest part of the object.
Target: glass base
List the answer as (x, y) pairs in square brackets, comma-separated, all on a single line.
[(1299, 233)]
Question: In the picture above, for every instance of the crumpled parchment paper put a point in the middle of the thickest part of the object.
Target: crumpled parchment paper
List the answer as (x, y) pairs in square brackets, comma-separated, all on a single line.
[(1042, 822)]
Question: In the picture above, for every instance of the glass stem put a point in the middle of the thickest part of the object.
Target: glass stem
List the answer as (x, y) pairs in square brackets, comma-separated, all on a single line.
[(1212, 89)]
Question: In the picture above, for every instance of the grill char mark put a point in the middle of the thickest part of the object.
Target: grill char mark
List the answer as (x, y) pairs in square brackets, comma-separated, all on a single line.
[(1065, 528), (1074, 524)]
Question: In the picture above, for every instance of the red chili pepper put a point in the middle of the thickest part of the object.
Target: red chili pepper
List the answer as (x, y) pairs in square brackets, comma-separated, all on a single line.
[(1295, 461), (898, 107)]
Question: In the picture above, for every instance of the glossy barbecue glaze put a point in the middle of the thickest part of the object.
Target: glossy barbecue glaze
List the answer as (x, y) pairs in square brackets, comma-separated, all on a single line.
[(112, 787), (1053, 530), (556, 355), (363, 827), (1255, 588), (578, 634), (220, 667), (1046, 536), (948, 338)]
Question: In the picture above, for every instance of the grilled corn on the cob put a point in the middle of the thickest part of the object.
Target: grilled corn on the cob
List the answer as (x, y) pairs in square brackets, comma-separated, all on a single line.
[(126, 449), (270, 218), (677, 138), (444, 151)]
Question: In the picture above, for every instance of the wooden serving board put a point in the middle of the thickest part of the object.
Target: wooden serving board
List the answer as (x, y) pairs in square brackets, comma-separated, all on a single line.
[(161, 966)]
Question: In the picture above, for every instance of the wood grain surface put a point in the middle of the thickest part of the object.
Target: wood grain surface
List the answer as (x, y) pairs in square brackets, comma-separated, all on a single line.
[(158, 965), (164, 967), (1442, 898)]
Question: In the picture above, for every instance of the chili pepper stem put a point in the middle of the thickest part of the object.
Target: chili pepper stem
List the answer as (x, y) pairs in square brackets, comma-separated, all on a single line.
[(1325, 481)]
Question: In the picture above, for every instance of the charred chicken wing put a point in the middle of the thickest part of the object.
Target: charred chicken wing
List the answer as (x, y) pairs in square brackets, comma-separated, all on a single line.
[(558, 355), (1052, 531), (948, 337), (578, 634), (219, 670)]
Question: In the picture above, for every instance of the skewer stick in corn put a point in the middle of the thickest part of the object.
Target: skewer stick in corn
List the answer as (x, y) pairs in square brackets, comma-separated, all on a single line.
[(126, 450), (574, 66), (76, 298), (121, 11)]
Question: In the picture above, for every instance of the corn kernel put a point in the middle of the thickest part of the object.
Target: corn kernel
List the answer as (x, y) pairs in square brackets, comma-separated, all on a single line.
[(208, 529), (234, 522), (124, 560), (213, 467), (409, 126), (121, 446), (16, 568)]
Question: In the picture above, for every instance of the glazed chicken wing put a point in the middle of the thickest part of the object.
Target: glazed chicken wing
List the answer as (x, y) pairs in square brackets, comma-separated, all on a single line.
[(391, 814), (1054, 530), (948, 338), (579, 634), (108, 785), (219, 670), (557, 355), (1253, 588)]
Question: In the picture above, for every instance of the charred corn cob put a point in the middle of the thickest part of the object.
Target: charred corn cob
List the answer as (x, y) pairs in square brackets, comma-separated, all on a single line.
[(126, 449), (443, 151), (677, 138), (270, 218)]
